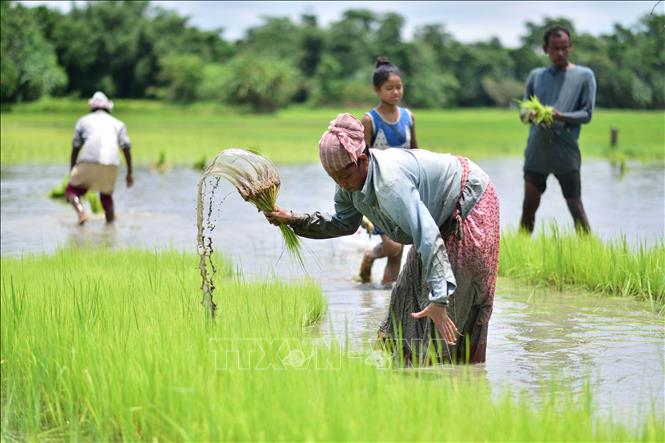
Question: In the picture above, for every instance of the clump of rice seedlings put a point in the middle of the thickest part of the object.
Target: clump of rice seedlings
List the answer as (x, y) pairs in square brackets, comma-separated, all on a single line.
[(58, 192), (585, 261), (543, 113), (256, 179), (161, 165), (200, 164), (94, 202)]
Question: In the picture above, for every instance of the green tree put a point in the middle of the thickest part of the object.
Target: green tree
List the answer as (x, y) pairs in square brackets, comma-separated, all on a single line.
[(262, 83), (116, 46), (387, 40), (432, 81), (446, 51), (327, 85), (525, 58), (278, 37), (181, 76), (29, 66), (214, 84), (503, 92), (479, 60), (350, 40), (135, 49), (636, 58), (428, 85)]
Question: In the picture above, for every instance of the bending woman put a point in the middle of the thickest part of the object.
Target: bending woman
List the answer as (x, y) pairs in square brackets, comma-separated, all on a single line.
[(446, 207)]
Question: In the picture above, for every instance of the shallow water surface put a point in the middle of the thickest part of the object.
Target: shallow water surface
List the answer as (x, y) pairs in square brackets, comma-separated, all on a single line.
[(615, 343), (159, 211)]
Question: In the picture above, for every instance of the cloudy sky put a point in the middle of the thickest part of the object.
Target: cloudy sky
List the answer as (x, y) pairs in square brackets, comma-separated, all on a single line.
[(467, 21)]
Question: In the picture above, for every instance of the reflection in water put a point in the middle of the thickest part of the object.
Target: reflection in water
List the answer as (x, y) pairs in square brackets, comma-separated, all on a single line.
[(614, 342), (103, 235), (617, 343)]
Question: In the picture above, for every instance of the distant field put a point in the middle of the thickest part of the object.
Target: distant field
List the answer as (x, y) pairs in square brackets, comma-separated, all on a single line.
[(41, 132)]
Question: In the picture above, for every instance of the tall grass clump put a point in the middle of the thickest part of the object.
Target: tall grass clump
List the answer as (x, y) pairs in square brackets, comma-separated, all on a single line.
[(257, 180), (111, 346), (612, 268)]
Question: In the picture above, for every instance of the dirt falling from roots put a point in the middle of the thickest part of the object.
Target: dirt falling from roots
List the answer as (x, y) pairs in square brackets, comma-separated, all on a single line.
[(205, 227)]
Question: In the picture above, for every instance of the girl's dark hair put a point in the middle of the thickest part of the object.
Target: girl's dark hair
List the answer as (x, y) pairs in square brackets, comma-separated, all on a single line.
[(382, 70), (552, 31)]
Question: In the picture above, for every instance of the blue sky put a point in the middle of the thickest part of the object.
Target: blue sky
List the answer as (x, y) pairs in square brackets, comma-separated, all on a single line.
[(466, 21)]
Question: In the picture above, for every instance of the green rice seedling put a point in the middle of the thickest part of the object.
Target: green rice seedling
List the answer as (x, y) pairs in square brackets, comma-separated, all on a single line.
[(585, 261), (110, 346), (94, 202), (161, 165), (256, 179), (200, 164), (543, 114), (58, 192)]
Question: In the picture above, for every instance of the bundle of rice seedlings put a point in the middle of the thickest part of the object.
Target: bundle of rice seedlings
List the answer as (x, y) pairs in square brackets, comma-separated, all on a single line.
[(58, 192), (256, 179), (543, 114), (95, 202)]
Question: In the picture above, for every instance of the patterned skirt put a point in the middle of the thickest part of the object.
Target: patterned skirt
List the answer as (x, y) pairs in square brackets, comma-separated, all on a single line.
[(474, 257)]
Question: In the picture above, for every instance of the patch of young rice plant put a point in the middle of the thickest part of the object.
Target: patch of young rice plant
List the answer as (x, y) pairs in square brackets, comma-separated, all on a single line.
[(111, 346), (611, 268)]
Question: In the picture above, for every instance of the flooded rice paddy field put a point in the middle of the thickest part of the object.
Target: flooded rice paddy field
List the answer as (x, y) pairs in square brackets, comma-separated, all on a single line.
[(616, 343)]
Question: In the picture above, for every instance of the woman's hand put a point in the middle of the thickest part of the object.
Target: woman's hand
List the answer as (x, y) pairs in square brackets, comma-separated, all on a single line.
[(439, 315), (279, 216)]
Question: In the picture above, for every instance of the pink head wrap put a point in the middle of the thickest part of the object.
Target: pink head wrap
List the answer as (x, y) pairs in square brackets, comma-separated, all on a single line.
[(342, 143)]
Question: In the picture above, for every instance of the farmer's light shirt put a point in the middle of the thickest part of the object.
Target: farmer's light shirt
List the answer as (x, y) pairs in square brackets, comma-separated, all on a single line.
[(571, 92), (101, 136), (409, 194)]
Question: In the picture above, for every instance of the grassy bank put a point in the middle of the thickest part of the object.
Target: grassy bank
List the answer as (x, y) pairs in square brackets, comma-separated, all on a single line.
[(112, 346), (42, 132), (553, 259)]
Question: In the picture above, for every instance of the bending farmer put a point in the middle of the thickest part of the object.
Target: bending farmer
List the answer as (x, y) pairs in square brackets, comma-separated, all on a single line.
[(98, 136), (571, 90), (446, 207)]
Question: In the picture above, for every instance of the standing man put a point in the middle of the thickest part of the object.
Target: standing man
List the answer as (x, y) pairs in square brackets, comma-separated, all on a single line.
[(98, 138), (571, 90)]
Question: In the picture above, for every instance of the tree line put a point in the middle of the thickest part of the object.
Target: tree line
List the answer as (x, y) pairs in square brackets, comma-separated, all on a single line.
[(133, 49)]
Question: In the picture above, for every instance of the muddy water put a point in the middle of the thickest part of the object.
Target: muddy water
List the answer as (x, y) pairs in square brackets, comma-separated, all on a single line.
[(618, 344)]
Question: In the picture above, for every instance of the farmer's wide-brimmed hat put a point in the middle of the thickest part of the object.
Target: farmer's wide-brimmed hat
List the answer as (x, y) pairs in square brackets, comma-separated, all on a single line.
[(99, 100)]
